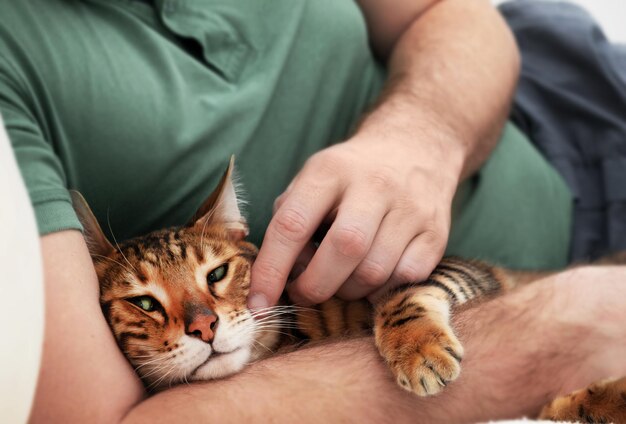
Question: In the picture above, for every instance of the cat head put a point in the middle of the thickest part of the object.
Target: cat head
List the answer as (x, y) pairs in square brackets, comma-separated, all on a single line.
[(176, 298)]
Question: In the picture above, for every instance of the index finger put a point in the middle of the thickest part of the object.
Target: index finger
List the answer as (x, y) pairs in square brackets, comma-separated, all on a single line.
[(290, 229)]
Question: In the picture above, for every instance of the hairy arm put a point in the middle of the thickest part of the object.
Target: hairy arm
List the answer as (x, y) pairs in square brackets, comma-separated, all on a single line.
[(549, 337), (388, 190), (453, 65), (521, 350)]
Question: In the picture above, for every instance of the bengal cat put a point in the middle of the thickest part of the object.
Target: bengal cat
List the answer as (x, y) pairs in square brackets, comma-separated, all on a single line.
[(176, 302)]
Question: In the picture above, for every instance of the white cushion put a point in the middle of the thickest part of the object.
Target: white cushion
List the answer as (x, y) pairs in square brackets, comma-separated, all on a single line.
[(21, 292)]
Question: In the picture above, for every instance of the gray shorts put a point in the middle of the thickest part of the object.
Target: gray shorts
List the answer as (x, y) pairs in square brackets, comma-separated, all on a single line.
[(571, 102)]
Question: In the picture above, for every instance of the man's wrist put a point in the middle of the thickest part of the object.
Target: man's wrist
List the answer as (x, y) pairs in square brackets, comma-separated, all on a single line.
[(400, 121)]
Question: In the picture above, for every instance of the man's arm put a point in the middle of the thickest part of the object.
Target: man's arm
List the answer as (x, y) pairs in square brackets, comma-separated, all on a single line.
[(388, 190), (84, 377), (521, 350), (452, 63), (549, 337)]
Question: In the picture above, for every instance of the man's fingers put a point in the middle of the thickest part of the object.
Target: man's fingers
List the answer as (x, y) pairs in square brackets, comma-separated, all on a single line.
[(302, 261), (343, 248), (417, 262), (394, 235), (288, 232)]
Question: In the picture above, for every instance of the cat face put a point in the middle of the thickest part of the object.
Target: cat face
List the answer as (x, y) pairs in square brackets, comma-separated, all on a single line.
[(176, 302), (176, 298)]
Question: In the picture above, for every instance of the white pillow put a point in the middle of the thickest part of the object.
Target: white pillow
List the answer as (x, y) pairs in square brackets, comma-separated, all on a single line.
[(21, 291)]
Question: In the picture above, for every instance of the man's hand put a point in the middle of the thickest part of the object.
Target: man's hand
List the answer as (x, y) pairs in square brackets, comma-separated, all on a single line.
[(390, 215), (387, 191)]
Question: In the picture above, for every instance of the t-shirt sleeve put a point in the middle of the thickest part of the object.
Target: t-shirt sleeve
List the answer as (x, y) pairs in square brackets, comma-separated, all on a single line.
[(31, 140)]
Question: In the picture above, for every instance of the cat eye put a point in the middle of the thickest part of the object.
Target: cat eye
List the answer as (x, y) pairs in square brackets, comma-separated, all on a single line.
[(217, 274), (147, 303)]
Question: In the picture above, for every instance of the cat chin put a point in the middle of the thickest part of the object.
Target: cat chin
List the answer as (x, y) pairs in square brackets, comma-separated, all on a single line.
[(222, 365)]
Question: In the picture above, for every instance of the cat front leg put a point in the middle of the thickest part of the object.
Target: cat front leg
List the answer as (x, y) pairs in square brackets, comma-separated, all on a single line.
[(412, 323), (413, 334)]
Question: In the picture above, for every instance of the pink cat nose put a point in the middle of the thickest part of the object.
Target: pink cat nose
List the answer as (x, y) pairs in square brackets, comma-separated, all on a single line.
[(203, 327)]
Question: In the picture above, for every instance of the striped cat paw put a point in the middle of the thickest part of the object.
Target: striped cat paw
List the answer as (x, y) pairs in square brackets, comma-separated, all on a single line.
[(423, 354), (603, 402)]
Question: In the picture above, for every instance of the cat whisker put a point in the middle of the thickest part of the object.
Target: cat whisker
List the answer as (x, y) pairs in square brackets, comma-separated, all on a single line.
[(274, 321), (153, 371), (145, 364), (262, 345), (146, 348), (117, 244), (207, 218), (154, 358), (282, 307), (268, 330), (202, 234), (273, 313), (143, 356), (112, 260), (185, 379), (277, 332), (270, 327), (130, 343), (158, 370), (172, 369), (154, 354), (278, 321), (169, 384), (276, 327)]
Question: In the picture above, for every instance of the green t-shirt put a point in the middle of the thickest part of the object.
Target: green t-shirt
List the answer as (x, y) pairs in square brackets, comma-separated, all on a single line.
[(139, 107)]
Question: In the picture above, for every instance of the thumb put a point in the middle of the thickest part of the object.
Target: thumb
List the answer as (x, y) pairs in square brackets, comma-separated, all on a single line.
[(265, 292), (265, 287)]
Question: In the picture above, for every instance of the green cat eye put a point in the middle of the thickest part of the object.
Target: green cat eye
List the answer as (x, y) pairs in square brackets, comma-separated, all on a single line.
[(147, 303), (217, 274)]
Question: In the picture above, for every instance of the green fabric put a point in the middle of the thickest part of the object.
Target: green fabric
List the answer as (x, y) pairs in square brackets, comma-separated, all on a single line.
[(516, 212), (140, 109)]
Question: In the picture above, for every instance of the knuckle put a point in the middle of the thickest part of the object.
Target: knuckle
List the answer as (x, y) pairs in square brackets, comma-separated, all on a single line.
[(270, 273), (430, 237), (409, 207), (371, 274), (315, 293), (427, 214), (317, 186), (410, 272), (381, 181), (326, 162), (350, 242), (321, 173), (435, 239), (291, 224)]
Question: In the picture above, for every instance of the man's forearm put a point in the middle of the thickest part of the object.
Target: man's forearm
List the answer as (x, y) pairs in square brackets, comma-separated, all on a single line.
[(83, 376), (521, 350), (453, 72)]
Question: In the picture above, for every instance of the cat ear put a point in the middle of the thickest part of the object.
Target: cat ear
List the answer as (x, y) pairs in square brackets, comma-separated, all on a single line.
[(222, 208), (95, 238)]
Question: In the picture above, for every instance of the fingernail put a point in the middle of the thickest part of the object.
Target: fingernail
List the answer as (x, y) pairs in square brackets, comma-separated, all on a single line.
[(257, 301)]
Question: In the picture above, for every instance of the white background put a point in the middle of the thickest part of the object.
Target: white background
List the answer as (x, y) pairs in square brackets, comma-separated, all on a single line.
[(610, 13)]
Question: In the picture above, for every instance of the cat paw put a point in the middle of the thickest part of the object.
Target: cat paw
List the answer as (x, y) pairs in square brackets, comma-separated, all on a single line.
[(425, 356), (603, 402)]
